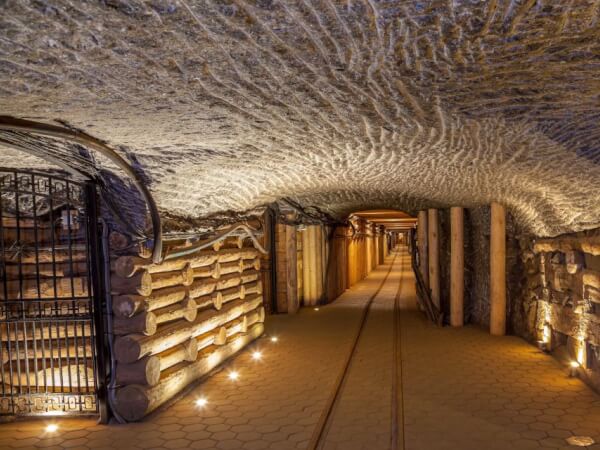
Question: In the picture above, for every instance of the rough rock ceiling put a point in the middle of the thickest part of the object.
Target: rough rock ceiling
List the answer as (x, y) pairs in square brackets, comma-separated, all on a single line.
[(340, 104)]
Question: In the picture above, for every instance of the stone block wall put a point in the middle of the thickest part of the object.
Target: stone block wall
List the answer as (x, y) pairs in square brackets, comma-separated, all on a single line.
[(561, 298)]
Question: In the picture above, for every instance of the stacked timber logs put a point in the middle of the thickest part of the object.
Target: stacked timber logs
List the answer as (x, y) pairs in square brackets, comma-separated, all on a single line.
[(175, 321)]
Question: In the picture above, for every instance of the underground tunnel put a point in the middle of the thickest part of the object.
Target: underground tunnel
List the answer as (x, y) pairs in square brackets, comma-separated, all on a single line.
[(299, 224)]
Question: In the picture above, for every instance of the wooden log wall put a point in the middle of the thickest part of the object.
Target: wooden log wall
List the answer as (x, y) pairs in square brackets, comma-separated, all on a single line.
[(563, 291), (173, 322), (362, 251), (328, 261)]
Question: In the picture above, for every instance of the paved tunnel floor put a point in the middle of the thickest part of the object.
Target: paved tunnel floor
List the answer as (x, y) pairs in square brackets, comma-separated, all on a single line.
[(457, 389)]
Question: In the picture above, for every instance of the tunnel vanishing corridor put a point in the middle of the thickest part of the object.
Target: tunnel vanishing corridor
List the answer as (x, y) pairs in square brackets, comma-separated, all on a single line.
[(456, 387)]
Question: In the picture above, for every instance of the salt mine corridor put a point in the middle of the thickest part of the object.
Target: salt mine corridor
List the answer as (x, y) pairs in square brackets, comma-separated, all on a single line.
[(300, 224)]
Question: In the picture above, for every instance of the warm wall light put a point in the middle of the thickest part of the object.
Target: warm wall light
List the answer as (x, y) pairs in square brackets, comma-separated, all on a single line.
[(233, 375), (547, 334), (574, 365), (51, 428), (316, 309), (581, 353), (256, 355), (201, 402)]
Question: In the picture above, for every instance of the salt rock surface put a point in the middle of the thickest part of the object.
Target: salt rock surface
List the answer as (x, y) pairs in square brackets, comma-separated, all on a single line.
[(343, 105)]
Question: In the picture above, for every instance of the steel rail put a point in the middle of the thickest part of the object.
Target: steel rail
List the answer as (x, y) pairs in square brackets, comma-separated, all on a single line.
[(21, 125), (397, 430)]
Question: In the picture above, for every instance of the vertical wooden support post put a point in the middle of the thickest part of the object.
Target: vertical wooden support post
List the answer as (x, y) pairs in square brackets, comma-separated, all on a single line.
[(307, 265), (457, 266), (434, 255), (352, 261), (498, 270), (348, 242), (287, 275), (422, 231), (364, 253), (359, 257), (299, 266), (376, 248), (319, 272), (343, 237), (369, 252)]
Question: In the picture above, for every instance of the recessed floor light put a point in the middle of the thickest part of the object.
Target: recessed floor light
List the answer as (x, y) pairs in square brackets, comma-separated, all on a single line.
[(201, 402), (580, 441), (233, 375), (51, 428)]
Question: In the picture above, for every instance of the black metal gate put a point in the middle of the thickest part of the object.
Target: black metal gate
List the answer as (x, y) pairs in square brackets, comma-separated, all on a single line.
[(49, 313)]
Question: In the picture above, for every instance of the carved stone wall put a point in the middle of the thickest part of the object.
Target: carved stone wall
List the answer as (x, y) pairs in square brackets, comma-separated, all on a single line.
[(561, 299)]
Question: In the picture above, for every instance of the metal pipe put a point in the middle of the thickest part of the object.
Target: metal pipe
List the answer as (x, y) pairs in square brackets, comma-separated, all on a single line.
[(219, 237), (14, 124)]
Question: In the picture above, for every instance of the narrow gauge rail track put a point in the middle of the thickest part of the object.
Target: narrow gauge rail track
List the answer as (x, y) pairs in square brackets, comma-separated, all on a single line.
[(319, 436)]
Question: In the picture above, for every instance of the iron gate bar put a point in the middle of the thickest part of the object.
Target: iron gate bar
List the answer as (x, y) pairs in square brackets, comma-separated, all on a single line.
[(99, 294), (55, 333)]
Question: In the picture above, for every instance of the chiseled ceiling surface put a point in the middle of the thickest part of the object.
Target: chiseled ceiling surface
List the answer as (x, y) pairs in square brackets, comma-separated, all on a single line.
[(345, 105)]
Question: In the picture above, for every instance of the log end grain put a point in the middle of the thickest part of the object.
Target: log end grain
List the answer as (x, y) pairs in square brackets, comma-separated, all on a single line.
[(187, 274), (221, 336), (190, 309), (145, 372), (127, 348), (191, 349), (132, 402), (217, 299), (140, 284), (144, 323), (128, 305)]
